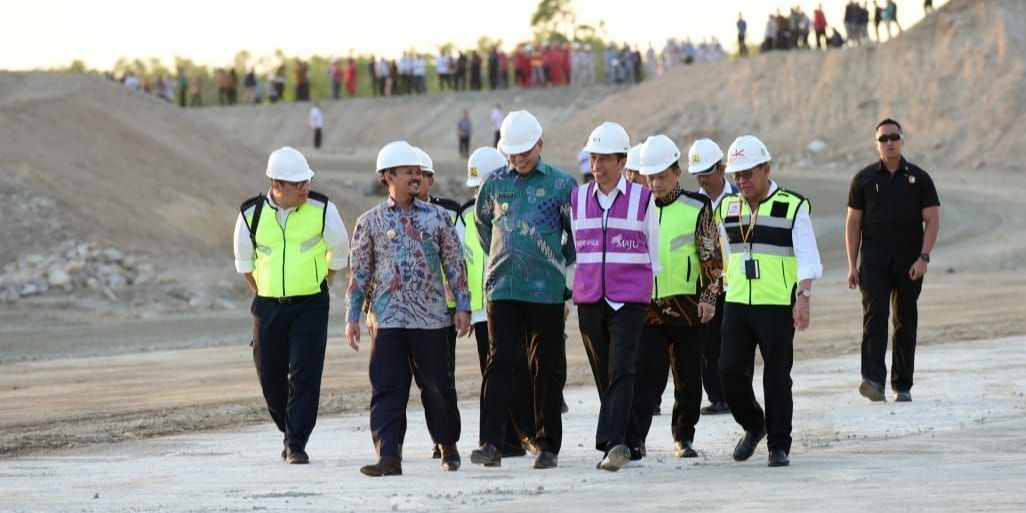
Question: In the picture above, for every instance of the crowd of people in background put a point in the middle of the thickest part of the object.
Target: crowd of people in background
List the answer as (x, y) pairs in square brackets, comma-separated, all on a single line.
[(792, 31)]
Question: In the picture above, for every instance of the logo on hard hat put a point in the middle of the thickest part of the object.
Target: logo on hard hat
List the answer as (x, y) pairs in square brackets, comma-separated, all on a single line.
[(696, 158), (737, 153), (473, 171)]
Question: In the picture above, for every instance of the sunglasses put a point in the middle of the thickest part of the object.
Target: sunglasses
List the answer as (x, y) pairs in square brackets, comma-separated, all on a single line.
[(297, 185), (747, 174), (888, 138)]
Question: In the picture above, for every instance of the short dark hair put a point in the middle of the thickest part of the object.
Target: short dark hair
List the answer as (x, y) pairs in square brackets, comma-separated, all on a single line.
[(888, 121), (675, 165)]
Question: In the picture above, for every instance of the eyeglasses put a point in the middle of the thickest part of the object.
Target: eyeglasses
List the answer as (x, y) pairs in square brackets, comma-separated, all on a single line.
[(888, 138), (747, 174), (297, 185)]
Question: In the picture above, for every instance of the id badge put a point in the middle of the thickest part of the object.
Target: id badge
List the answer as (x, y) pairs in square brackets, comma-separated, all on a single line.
[(751, 267)]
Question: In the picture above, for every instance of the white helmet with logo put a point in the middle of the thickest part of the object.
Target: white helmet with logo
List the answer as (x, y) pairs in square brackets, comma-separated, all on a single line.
[(484, 160), (745, 153), (395, 154), (657, 154), (519, 132), (634, 157), (703, 155), (288, 164), (426, 165), (609, 138)]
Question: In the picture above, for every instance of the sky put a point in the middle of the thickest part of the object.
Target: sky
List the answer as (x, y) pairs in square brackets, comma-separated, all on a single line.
[(44, 34)]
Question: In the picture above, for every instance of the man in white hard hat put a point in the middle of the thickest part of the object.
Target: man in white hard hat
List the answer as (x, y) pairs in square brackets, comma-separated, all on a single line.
[(683, 297), (288, 244), (616, 235), (705, 163), (403, 246), (631, 170), (520, 426), (772, 261), (522, 213)]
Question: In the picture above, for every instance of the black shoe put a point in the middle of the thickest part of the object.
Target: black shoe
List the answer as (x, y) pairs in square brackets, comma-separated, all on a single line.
[(657, 411), (284, 454), (436, 452), (296, 456), (778, 458), (486, 455), (746, 446), (450, 458), (530, 445), (513, 451), (902, 397), (564, 408), (715, 409), (872, 390), (546, 459), (386, 466), (684, 449), (641, 451)]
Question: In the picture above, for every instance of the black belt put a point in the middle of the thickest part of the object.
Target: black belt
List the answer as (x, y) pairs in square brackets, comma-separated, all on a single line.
[(285, 300)]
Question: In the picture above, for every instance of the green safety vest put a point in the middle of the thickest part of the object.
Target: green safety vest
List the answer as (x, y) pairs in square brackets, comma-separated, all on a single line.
[(290, 261), (770, 243), (678, 254), (474, 256)]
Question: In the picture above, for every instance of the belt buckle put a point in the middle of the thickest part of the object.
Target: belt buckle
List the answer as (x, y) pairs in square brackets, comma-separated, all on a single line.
[(284, 300)]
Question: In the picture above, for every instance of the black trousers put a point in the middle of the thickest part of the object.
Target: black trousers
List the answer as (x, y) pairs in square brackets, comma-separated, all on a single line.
[(288, 350), (399, 354), (317, 138), (450, 336), (664, 347), (611, 341), (771, 328), (511, 326), (881, 290), (464, 146), (521, 411), (711, 355)]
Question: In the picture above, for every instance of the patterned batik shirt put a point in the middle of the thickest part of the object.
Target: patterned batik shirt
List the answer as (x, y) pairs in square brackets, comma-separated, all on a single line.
[(403, 252), (524, 227)]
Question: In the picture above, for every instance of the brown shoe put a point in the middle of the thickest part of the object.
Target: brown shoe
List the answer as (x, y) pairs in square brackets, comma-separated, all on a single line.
[(386, 466), (450, 458)]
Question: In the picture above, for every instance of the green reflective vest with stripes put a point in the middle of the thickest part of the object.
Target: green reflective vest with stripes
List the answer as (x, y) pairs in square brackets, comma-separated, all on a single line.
[(289, 261), (770, 243), (474, 256), (450, 298), (678, 254)]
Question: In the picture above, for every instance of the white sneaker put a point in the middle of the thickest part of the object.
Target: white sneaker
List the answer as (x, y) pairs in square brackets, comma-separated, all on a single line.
[(635, 463)]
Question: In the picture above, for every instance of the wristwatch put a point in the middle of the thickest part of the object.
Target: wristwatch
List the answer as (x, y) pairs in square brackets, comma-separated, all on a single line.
[(925, 257), (803, 292)]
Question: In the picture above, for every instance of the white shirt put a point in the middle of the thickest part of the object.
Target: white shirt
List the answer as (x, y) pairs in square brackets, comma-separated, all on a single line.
[(803, 238), (497, 117), (442, 63), (727, 189), (418, 67), (335, 237), (316, 119), (651, 220)]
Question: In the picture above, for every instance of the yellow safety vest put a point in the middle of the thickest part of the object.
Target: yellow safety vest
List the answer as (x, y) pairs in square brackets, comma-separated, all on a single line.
[(474, 256), (289, 261), (769, 242), (678, 254)]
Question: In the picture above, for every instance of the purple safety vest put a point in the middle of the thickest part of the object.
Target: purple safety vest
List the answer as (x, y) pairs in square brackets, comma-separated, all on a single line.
[(612, 262)]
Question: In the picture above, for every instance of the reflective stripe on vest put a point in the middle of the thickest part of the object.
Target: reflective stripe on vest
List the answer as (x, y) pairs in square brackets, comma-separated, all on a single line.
[(474, 256), (612, 258), (678, 254), (290, 261), (770, 243)]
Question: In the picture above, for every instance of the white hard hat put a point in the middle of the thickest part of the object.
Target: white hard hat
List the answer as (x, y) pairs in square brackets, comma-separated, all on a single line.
[(657, 154), (286, 163), (745, 153), (519, 132), (607, 139), (703, 155), (484, 160), (426, 165), (395, 154), (634, 157)]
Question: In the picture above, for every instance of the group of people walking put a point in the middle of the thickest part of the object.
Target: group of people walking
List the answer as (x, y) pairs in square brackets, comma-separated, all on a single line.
[(665, 280)]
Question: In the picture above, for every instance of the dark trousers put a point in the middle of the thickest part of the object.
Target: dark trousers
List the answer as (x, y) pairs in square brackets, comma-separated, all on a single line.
[(317, 138), (611, 341), (495, 141), (511, 326), (399, 354), (464, 145), (450, 336), (771, 328), (881, 290), (521, 411), (288, 349), (711, 355), (664, 347)]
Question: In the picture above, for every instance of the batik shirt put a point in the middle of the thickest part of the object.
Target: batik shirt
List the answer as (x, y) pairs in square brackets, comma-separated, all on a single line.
[(524, 227), (403, 252)]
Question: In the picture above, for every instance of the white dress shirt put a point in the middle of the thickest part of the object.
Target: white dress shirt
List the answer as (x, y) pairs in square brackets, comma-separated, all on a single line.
[(316, 118), (803, 238), (335, 237), (727, 189), (651, 220)]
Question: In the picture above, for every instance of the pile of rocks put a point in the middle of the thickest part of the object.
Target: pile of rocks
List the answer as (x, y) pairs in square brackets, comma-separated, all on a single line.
[(73, 265)]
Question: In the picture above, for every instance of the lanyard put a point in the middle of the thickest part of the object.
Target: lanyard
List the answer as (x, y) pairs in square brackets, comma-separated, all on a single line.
[(751, 223)]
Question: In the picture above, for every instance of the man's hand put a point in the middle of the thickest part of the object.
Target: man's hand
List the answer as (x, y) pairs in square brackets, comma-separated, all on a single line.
[(853, 277), (372, 326), (353, 335), (462, 320), (918, 269), (706, 312), (801, 313)]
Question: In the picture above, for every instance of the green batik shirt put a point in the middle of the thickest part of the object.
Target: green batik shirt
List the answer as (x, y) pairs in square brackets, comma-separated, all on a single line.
[(521, 222)]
